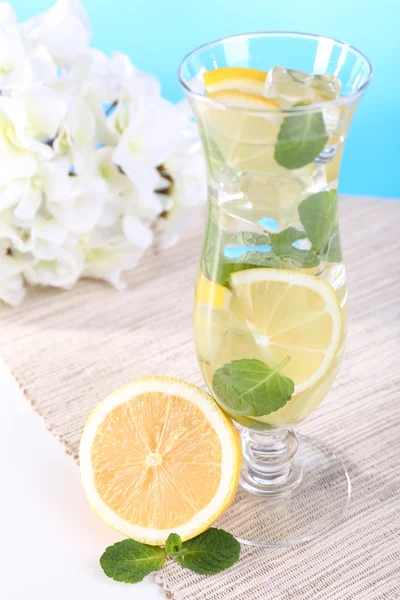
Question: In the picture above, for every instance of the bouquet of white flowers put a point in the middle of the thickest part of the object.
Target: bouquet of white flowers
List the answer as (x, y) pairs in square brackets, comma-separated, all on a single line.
[(92, 158)]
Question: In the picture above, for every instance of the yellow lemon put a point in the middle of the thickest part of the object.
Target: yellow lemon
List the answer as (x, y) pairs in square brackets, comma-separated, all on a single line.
[(159, 456)]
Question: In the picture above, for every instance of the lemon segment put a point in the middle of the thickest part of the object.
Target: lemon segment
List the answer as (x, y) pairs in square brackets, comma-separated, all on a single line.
[(159, 456), (291, 314), (242, 78), (211, 293)]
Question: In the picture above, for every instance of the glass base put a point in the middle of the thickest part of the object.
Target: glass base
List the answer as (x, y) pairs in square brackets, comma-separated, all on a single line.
[(295, 507)]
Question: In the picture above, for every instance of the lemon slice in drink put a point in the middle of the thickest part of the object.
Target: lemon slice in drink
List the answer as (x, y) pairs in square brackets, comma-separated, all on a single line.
[(159, 456), (240, 78), (291, 314), (240, 128), (212, 293)]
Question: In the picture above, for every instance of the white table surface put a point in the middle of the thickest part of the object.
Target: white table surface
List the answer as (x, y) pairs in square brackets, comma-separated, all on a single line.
[(50, 541)]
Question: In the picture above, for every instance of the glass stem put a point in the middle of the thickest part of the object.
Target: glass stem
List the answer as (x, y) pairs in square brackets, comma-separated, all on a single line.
[(269, 465)]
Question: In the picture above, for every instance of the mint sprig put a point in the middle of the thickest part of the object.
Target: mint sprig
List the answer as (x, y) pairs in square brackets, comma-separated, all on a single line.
[(129, 561), (319, 217), (301, 139), (210, 552), (249, 387), (173, 544)]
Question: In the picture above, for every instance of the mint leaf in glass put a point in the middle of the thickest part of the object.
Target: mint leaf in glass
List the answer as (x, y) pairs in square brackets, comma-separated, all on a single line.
[(249, 387), (129, 561), (210, 552), (173, 544), (319, 217), (225, 254), (300, 140), (282, 245)]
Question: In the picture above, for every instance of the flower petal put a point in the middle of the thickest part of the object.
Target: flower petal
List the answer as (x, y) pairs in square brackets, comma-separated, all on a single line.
[(7, 14), (109, 264), (84, 212), (12, 54), (136, 232), (77, 135), (45, 109), (64, 29), (40, 65), (12, 290)]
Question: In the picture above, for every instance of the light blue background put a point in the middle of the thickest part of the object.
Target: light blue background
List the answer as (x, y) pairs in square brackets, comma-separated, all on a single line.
[(156, 34)]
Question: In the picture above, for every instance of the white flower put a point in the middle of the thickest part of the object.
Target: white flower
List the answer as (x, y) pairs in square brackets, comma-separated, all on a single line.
[(92, 158), (189, 190), (17, 152), (142, 199), (7, 14), (64, 29), (19, 64), (51, 181), (150, 137), (97, 94), (45, 110), (109, 252), (136, 232), (81, 210), (48, 238), (115, 184), (12, 57), (15, 237), (12, 290), (77, 134), (64, 264)]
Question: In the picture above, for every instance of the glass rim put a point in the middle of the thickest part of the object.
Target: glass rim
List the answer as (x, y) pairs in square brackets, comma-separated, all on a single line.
[(316, 106)]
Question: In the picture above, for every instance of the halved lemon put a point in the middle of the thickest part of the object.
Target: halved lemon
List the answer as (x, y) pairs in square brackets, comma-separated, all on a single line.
[(159, 456), (241, 78), (291, 314)]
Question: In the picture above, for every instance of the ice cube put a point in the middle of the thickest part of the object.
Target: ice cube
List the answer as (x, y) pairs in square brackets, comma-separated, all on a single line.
[(289, 87)]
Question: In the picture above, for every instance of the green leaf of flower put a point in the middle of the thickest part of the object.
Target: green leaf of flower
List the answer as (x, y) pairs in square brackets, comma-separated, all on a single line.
[(300, 140), (319, 217), (210, 552), (250, 387), (131, 561)]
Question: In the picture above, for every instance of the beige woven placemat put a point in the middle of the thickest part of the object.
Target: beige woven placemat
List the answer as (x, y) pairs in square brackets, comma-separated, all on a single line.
[(69, 349)]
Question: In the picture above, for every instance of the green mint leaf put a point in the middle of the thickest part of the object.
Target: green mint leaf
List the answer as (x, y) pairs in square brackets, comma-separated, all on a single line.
[(249, 387), (210, 552), (282, 246), (173, 545), (301, 138), (282, 254), (319, 217), (131, 561)]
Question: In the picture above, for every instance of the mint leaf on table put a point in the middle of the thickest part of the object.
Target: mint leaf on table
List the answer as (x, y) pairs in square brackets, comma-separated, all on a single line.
[(319, 217), (300, 140), (210, 552), (250, 387), (131, 561), (173, 545)]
